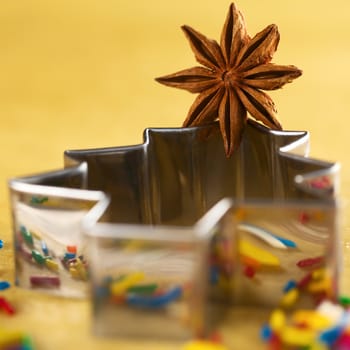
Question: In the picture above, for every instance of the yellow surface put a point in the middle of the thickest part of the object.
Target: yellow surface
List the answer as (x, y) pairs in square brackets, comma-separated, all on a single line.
[(79, 74)]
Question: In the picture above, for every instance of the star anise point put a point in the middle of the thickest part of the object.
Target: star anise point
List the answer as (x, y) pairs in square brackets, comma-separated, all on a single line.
[(232, 77)]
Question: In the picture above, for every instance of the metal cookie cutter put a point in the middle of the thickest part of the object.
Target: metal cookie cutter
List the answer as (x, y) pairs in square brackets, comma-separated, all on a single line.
[(169, 233)]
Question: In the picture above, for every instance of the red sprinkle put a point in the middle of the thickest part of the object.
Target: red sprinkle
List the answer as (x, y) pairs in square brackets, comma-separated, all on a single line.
[(6, 306), (304, 281), (249, 271), (304, 218), (321, 183), (71, 249), (343, 342), (310, 262), (45, 281), (275, 342)]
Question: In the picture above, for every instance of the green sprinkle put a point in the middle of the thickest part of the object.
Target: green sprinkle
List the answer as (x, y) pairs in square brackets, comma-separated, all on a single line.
[(27, 343), (27, 236), (39, 259), (344, 300), (143, 288), (38, 200)]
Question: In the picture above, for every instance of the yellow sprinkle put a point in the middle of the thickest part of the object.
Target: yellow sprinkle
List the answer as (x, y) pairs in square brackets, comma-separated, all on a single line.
[(52, 265), (312, 319), (119, 287), (318, 346), (277, 320), (81, 269), (289, 299), (36, 234), (8, 338), (74, 272), (77, 262), (318, 273), (298, 336), (263, 256), (203, 345), (318, 286)]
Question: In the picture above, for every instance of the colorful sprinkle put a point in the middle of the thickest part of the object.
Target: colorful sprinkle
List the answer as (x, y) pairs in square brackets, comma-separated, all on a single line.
[(268, 237), (331, 310), (321, 183), (69, 256), (344, 300), (120, 287), (277, 320), (319, 286), (303, 283), (4, 285), (143, 288), (15, 340), (289, 285), (311, 262), (330, 335), (38, 200), (51, 264), (44, 248), (266, 332), (249, 271), (38, 258), (77, 268), (71, 249), (36, 235), (289, 298), (6, 306), (287, 242), (324, 328), (45, 281), (311, 319), (154, 301), (1, 243), (27, 236), (296, 336), (264, 257), (304, 218)]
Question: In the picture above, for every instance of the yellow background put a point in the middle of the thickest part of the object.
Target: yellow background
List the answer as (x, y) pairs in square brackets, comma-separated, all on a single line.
[(80, 74)]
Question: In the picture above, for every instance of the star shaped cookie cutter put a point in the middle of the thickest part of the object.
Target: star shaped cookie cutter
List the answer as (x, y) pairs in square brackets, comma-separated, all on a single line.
[(164, 234)]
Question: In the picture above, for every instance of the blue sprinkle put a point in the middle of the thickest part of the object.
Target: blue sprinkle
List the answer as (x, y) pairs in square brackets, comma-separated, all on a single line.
[(285, 241), (289, 285), (266, 332), (4, 285), (1, 243), (68, 256), (330, 335), (44, 248), (214, 275), (154, 301)]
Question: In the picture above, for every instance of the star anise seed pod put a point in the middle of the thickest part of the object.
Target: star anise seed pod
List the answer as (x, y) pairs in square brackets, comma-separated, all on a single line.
[(233, 77)]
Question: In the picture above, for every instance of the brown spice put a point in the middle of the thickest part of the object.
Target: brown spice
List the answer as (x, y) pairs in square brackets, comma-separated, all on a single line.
[(233, 77)]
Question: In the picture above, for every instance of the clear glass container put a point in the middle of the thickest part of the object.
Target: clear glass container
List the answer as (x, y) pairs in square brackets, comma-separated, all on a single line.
[(173, 282), (154, 214)]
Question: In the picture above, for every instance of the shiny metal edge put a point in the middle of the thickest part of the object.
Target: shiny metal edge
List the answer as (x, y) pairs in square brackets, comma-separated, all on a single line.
[(283, 148)]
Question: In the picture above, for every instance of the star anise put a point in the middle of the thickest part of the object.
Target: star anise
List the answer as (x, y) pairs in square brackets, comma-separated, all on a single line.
[(233, 77)]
